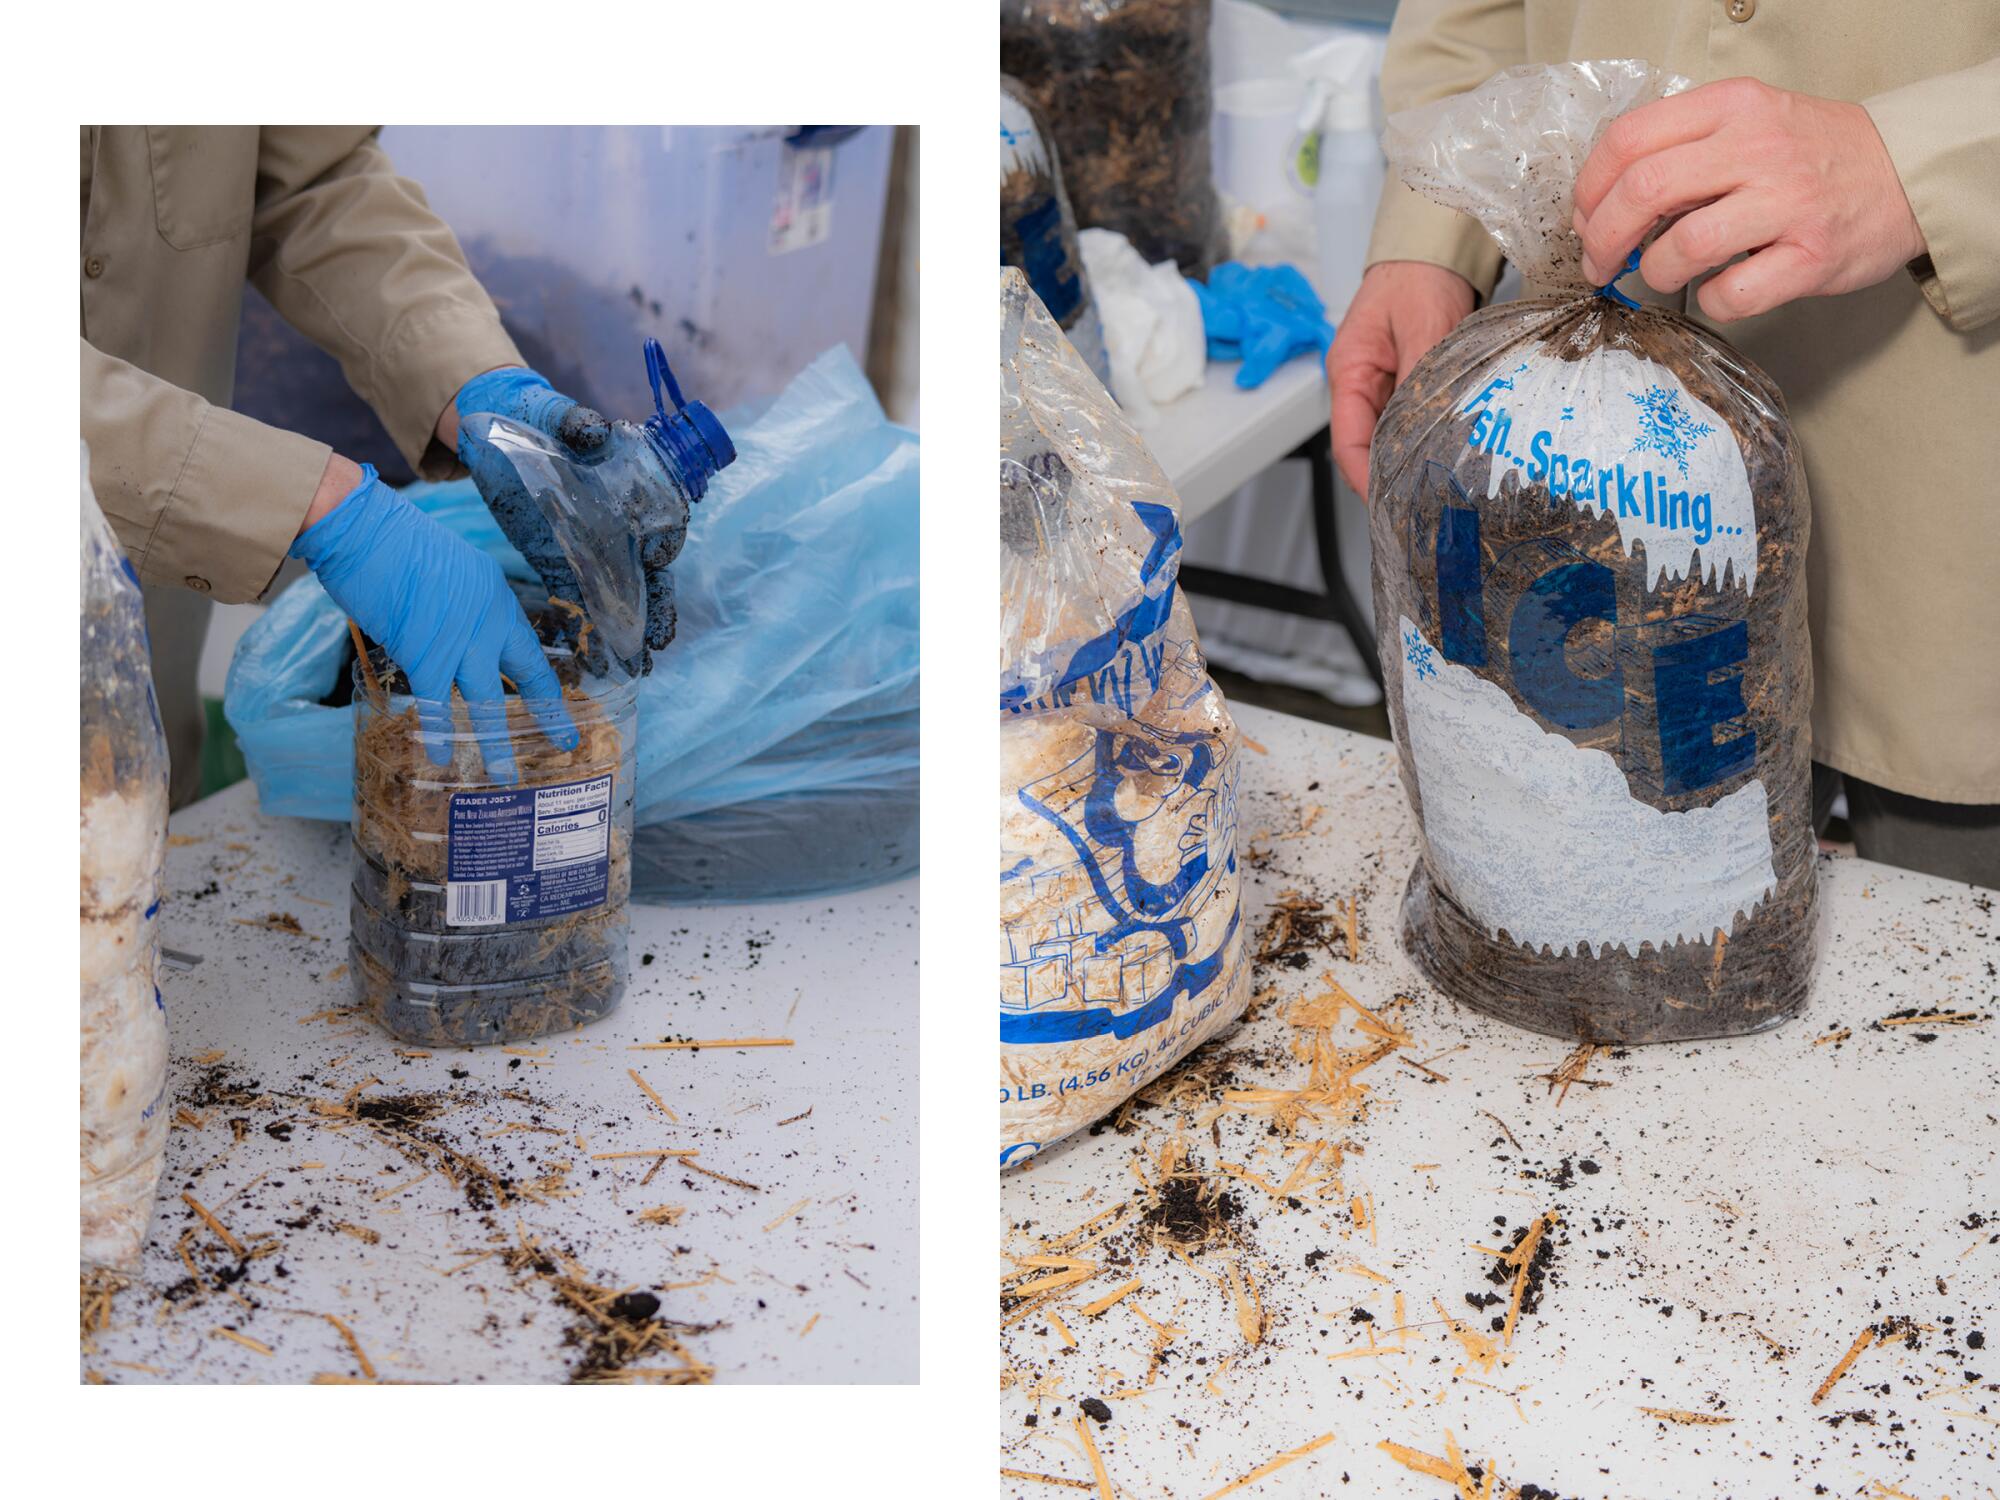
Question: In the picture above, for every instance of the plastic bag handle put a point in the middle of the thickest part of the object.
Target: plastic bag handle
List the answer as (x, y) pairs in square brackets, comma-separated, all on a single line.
[(659, 371)]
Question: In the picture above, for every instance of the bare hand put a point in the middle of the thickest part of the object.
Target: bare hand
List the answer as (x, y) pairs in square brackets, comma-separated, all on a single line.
[(1401, 309), (1803, 184)]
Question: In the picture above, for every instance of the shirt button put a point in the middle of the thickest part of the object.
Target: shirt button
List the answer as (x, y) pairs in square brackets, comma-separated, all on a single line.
[(1741, 10), (94, 267), (199, 585)]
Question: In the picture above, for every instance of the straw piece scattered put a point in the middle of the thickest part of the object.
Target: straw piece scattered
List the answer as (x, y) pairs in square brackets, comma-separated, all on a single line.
[(663, 1213), (695, 1166), (221, 1230), (1062, 1329), (1034, 1478), (1934, 1018), (1249, 1309), (1111, 1299), (255, 1346), (360, 1355), (1451, 1468), (721, 1041), (794, 1119), (1833, 1036), (1272, 1465), (639, 1155), (647, 1089), (1520, 1257), (1478, 1348), (1687, 1418), (1096, 1463), (788, 1213), (1854, 1351), (403, 1187), (809, 1325)]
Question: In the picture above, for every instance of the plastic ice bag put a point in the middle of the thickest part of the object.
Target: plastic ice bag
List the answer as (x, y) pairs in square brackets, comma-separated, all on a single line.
[(124, 845), (777, 747), (1589, 524), (1121, 939)]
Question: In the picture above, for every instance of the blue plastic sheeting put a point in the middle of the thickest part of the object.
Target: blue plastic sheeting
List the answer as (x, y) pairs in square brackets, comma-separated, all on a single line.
[(777, 735)]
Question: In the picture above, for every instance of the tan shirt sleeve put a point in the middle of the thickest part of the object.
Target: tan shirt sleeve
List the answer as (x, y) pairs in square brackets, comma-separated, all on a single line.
[(351, 255), (1437, 48), (199, 496), (1943, 135)]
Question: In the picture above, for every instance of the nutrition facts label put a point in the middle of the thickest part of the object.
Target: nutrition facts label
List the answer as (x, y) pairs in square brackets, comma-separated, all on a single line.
[(530, 852)]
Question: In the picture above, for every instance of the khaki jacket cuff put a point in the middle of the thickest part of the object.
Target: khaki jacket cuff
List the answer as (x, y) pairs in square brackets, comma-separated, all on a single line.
[(234, 509), (1943, 136)]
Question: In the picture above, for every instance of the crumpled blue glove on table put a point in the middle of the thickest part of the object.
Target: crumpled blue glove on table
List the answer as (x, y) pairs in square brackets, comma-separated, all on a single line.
[(443, 611), (1262, 315), (653, 503)]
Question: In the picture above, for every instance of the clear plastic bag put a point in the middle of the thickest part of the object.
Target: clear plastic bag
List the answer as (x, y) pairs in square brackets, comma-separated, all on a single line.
[(1508, 153), (1125, 90), (123, 852), (1038, 227), (784, 717), (1121, 938), (1589, 523)]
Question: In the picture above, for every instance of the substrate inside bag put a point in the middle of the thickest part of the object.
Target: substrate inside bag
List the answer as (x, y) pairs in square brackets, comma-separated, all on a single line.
[(422, 966), (1589, 525)]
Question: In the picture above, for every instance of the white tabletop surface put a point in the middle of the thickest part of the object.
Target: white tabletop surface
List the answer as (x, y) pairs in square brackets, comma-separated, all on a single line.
[(1732, 1216), (811, 1277), (1213, 440)]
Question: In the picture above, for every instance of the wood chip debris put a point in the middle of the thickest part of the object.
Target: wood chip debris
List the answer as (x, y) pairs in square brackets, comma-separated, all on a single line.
[(721, 1041)]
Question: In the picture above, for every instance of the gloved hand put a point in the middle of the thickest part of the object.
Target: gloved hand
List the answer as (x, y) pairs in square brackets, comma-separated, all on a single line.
[(1263, 316), (653, 504), (443, 611)]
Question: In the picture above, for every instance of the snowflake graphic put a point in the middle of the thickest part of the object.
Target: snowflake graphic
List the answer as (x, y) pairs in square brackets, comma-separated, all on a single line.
[(1666, 428), (1419, 653)]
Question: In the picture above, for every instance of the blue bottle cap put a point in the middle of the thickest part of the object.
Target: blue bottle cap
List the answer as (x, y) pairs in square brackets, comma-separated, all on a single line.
[(689, 439)]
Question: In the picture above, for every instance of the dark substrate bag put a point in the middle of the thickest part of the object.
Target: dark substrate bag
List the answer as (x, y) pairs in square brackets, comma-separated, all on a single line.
[(1589, 524), (1125, 89), (1038, 227)]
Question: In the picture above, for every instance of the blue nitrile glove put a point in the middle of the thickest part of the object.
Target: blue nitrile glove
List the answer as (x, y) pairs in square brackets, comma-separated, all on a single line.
[(1262, 315), (654, 507), (442, 610)]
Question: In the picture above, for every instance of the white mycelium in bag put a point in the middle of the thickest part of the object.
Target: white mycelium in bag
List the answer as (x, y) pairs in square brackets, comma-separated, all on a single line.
[(1121, 932)]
